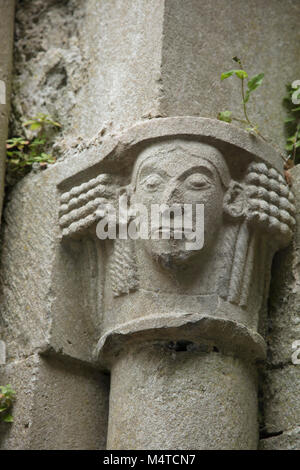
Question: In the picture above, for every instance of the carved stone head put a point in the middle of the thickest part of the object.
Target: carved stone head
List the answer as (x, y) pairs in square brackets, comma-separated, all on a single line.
[(248, 216)]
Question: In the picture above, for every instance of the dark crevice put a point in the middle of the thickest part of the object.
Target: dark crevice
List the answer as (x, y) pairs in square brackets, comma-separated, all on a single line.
[(179, 346), (266, 435), (278, 366)]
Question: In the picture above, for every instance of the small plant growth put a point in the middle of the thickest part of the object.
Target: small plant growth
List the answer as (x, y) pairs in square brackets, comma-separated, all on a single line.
[(292, 124), (248, 85), (22, 151), (291, 103), (7, 396)]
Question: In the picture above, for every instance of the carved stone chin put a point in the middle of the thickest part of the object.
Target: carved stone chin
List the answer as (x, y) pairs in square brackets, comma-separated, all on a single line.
[(181, 163)]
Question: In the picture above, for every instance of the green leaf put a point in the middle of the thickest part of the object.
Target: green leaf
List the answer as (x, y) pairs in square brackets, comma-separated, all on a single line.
[(238, 72), (8, 419), (292, 138), (7, 390), (295, 110), (255, 81), (35, 126), (36, 142), (225, 116), (28, 123), (291, 119), (252, 84), (227, 74), (241, 74), (54, 123)]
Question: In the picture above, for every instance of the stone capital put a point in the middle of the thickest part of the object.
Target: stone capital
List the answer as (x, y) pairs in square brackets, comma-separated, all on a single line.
[(215, 296)]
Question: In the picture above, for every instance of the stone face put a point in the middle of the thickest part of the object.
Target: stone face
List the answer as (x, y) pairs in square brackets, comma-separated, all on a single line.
[(6, 39), (58, 406)]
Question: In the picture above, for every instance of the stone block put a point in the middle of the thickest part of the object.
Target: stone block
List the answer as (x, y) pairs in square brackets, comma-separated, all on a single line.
[(281, 398), (7, 8), (289, 440), (284, 317), (59, 405)]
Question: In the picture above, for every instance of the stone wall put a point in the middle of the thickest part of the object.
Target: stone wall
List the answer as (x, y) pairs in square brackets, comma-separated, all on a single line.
[(6, 39), (281, 377), (99, 67)]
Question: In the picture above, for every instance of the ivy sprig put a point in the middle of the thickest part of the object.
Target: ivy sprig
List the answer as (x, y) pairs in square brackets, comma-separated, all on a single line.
[(292, 124), (23, 152), (7, 397)]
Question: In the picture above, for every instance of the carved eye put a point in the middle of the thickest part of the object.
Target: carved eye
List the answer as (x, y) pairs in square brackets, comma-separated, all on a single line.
[(197, 181), (152, 183)]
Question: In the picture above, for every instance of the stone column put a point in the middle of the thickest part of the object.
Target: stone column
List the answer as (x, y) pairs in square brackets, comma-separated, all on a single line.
[(182, 398), (7, 8)]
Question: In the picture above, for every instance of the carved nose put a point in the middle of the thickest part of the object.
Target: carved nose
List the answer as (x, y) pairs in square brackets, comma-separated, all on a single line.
[(171, 195)]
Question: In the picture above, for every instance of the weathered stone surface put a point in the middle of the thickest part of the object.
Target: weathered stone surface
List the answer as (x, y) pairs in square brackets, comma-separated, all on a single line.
[(49, 59), (281, 397), (112, 74), (6, 40), (58, 405), (282, 377), (289, 440), (68, 304), (109, 66), (159, 289), (123, 41), (200, 39), (215, 145), (2, 352), (166, 399), (42, 282), (284, 316)]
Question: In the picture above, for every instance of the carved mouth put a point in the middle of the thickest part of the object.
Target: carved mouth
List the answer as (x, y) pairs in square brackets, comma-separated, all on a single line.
[(188, 233)]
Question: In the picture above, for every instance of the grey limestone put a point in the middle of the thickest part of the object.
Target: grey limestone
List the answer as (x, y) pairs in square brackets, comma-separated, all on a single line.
[(6, 40)]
